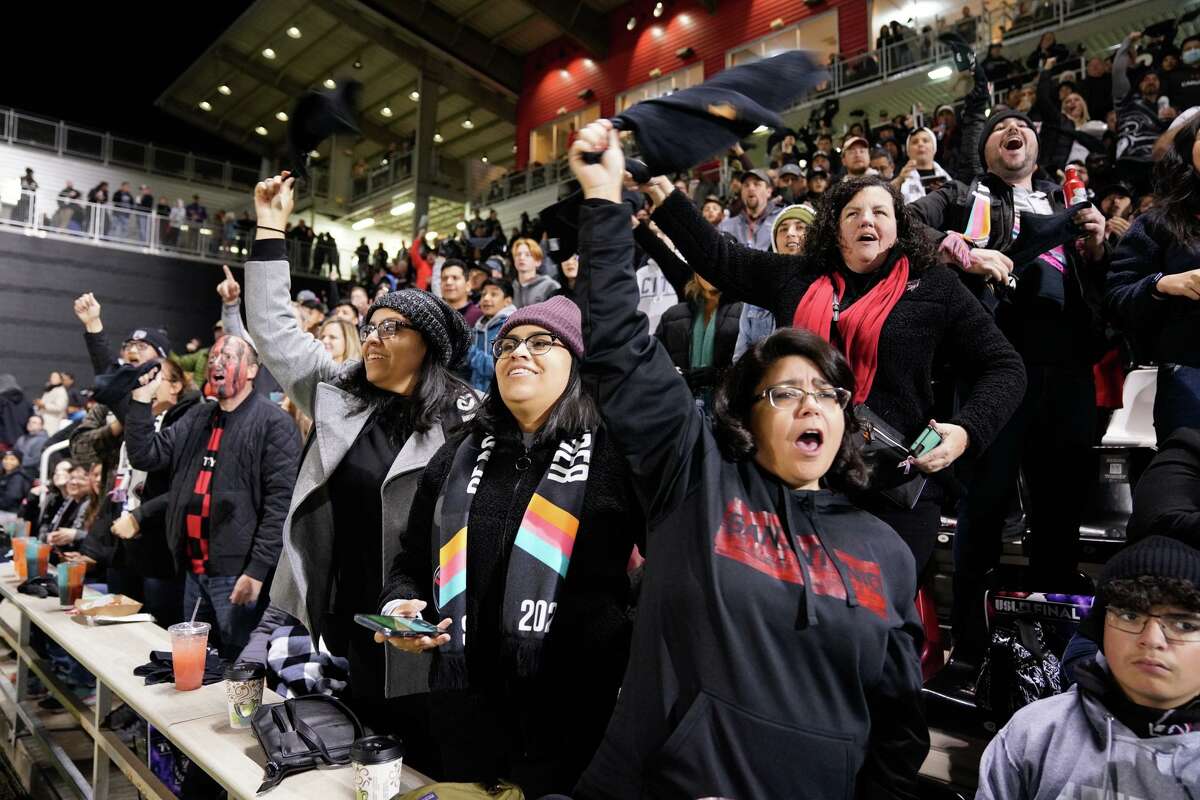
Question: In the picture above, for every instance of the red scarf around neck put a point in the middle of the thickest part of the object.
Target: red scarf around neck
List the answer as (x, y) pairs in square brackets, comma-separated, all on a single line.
[(859, 326)]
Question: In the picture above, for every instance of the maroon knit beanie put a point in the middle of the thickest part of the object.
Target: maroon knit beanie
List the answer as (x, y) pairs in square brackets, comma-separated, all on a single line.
[(558, 315)]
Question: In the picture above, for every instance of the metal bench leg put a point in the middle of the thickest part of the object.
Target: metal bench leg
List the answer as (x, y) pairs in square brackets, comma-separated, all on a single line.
[(100, 760)]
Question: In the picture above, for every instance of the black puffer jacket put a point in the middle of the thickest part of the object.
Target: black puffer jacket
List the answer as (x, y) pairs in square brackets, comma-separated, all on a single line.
[(675, 332), (252, 485)]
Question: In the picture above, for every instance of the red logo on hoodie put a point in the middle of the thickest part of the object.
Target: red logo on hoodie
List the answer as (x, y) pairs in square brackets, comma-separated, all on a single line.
[(758, 540)]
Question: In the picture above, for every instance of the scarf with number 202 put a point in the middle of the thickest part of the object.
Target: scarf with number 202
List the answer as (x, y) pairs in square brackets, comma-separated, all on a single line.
[(537, 566)]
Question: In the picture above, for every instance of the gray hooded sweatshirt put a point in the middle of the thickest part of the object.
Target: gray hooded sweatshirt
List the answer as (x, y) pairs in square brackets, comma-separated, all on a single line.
[(537, 290), (1070, 747)]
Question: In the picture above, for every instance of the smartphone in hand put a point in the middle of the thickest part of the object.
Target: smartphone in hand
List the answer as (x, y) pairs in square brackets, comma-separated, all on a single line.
[(928, 440), (397, 626)]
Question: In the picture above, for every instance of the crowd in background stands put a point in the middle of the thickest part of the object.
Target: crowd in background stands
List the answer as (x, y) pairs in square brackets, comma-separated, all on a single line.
[(686, 377)]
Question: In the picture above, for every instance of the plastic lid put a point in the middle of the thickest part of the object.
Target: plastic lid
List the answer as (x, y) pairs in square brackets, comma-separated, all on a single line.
[(376, 750), (245, 671)]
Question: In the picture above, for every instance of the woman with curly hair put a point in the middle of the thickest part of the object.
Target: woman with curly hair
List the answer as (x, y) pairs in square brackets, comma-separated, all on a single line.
[(775, 647), (1154, 285), (869, 283)]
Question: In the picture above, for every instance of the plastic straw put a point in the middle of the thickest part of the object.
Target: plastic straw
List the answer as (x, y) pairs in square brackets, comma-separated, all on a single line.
[(195, 611)]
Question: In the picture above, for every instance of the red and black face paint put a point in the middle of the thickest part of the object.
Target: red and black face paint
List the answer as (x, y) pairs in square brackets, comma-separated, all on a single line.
[(228, 367)]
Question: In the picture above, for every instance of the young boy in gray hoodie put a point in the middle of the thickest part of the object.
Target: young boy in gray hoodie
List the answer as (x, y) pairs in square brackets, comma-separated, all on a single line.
[(1130, 727)]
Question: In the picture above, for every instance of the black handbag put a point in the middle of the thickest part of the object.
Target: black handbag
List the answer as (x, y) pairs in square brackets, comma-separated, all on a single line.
[(886, 456), (303, 733)]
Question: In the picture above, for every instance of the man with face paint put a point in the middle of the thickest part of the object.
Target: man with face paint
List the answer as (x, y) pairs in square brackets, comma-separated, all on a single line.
[(233, 466)]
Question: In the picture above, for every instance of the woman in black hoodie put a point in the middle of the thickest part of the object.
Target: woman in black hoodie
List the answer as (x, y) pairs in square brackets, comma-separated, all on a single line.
[(552, 522), (775, 647)]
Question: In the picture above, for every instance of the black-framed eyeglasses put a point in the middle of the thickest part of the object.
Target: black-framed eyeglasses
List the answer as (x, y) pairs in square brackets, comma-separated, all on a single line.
[(787, 398), (1179, 628), (537, 345), (386, 329)]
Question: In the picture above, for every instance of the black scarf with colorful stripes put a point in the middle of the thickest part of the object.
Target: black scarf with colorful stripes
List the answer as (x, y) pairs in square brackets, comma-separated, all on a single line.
[(537, 566)]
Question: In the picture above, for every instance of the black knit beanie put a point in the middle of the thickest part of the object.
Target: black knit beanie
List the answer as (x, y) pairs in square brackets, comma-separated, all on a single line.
[(444, 329), (995, 119), (1158, 556)]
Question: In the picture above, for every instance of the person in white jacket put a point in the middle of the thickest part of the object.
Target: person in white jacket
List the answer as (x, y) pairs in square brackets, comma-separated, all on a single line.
[(920, 175), (52, 405)]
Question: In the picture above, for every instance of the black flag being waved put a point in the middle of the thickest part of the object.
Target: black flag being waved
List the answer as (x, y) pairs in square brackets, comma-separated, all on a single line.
[(681, 130)]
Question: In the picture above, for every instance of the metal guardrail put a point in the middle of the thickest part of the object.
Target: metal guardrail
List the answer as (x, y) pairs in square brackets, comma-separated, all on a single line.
[(920, 50), (134, 229), (65, 139)]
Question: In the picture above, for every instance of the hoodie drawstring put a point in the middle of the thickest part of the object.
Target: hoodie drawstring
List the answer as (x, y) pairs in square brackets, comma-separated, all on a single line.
[(806, 615), (1108, 762), (851, 595), (808, 611)]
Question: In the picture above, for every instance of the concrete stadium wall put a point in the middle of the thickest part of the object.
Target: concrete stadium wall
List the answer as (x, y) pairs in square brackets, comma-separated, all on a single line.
[(39, 279)]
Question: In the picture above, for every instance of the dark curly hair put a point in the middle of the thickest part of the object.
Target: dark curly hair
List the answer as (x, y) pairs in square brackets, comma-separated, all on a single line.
[(734, 402), (1146, 591), (821, 244), (1177, 187)]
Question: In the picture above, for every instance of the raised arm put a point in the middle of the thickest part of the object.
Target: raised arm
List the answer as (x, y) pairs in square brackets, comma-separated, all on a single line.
[(230, 292), (738, 271), (298, 361), (674, 268), (87, 309), (646, 404), (1120, 70)]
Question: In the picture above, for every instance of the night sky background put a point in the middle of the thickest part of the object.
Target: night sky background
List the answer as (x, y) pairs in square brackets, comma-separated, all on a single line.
[(101, 66)]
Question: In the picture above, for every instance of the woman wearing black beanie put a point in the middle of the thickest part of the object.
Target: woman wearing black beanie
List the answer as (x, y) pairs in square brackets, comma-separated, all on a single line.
[(377, 422)]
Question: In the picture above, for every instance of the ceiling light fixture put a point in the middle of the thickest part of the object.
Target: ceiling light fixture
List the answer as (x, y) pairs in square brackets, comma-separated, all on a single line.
[(940, 72), (363, 224), (314, 154), (631, 24), (564, 73), (460, 225), (330, 83), (268, 53), (403, 208), (205, 105), (386, 111), (357, 63), (260, 130), (225, 90), (466, 123), (587, 62), (658, 9), (414, 95), (437, 138), (484, 159), (281, 116), (294, 32)]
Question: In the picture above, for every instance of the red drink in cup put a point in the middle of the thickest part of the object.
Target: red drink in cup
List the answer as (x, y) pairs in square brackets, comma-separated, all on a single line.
[(18, 547), (189, 648)]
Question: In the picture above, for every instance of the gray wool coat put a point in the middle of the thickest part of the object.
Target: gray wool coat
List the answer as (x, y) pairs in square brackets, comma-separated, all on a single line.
[(307, 373)]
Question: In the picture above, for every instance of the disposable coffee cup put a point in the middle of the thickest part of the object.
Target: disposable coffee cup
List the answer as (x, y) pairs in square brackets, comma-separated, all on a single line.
[(244, 690), (377, 762)]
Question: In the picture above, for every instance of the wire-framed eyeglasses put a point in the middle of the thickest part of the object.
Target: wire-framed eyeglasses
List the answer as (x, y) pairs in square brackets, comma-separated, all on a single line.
[(787, 398)]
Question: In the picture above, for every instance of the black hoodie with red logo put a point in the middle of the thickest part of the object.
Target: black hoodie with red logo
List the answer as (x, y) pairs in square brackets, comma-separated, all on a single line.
[(775, 651)]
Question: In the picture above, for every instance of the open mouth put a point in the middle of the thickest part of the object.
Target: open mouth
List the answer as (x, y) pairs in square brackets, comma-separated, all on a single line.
[(867, 236), (1013, 143), (521, 372), (809, 442), (373, 355)]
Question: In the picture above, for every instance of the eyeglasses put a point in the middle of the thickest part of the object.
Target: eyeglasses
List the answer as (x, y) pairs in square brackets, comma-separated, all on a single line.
[(137, 344), (537, 345), (386, 329), (1181, 628), (787, 398)]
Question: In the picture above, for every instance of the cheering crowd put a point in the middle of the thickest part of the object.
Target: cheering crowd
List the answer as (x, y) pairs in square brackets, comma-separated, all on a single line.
[(667, 479)]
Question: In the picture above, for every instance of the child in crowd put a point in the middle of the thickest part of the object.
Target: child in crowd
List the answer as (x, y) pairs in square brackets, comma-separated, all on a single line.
[(1130, 727)]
